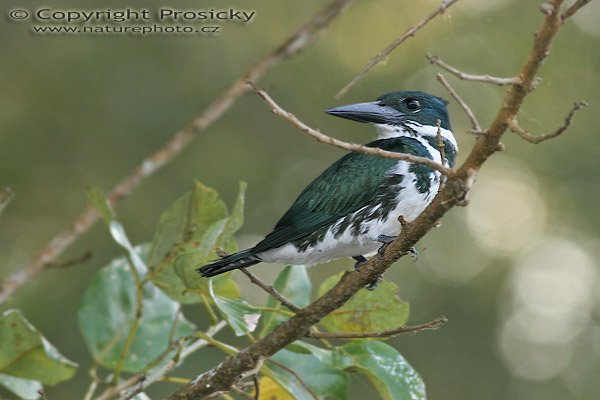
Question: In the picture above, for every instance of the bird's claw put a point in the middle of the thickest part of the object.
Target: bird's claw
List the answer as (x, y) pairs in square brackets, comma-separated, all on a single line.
[(373, 285), (360, 261), (414, 253), (385, 240)]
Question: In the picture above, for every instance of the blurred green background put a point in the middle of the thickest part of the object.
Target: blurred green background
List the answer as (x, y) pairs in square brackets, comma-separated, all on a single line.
[(516, 272)]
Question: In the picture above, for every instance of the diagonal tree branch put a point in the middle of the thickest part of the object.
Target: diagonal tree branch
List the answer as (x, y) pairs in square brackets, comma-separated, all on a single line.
[(435, 60), (359, 148), (454, 193), (298, 41), (383, 54), (516, 128), (431, 325)]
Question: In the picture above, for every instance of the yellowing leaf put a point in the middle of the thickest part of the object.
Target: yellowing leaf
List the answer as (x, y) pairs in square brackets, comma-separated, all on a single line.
[(367, 311), (270, 390)]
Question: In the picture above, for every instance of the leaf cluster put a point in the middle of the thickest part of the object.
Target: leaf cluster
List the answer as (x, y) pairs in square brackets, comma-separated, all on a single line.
[(132, 321)]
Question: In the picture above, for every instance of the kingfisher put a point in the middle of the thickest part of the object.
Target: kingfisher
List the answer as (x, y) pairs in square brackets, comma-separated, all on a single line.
[(353, 208)]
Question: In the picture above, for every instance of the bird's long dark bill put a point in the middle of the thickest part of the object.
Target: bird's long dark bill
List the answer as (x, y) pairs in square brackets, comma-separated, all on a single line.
[(372, 112)]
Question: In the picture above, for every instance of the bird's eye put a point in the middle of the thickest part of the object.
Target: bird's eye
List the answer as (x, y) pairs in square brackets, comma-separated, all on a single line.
[(412, 104)]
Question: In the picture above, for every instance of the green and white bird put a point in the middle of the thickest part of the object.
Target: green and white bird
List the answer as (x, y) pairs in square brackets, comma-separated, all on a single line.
[(352, 208)]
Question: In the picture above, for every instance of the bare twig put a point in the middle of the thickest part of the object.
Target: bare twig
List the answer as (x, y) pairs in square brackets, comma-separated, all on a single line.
[(475, 127), (431, 325), (455, 193), (73, 261), (573, 9), (516, 128), (442, 149), (156, 375), (291, 371), (298, 41), (242, 393), (139, 308), (6, 196), (440, 142), (93, 384), (271, 290), (359, 148), (256, 387), (383, 54), (114, 390), (469, 77)]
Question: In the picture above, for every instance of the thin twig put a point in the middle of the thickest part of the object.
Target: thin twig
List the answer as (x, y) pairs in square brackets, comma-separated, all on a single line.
[(383, 54), (271, 290), (163, 370), (298, 41), (469, 77), (321, 137), (573, 9), (440, 142), (442, 149), (6, 196), (256, 387), (240, 385), (173, 344), (139, 308), (114, 390), (73, 261), (431, 326), (93, 384), (535, 139), (242, 393), (291, 371), (174, 379), (475, 126)]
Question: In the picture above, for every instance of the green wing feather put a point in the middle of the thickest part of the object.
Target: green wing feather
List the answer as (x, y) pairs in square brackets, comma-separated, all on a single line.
[(349, 184)]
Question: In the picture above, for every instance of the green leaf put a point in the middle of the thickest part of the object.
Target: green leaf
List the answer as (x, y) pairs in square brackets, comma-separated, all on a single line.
[(314, 367), (24, 388), (187, 237), (98, 200), (236, 218), (367, 311), (108, 311), (194, 284), (118, 233), (390, 374), (26, 353), (241, 316), (205, 209), (171, 229), (293, 282)]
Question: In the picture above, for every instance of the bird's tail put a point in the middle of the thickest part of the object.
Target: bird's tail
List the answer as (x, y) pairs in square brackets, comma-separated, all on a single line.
[(234, 261)]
